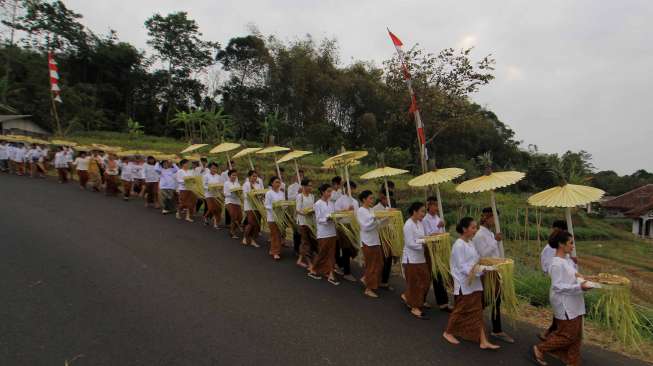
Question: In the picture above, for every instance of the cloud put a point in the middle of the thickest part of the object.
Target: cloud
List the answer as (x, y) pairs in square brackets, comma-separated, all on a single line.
[(467, 41)]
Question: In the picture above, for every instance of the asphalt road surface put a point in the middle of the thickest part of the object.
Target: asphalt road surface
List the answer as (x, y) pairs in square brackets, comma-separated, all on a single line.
[(93, 280)]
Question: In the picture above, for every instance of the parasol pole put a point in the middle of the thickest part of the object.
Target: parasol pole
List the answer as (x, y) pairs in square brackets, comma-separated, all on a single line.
[(570, 228), (251, 164), (440, 209), (297, 172), (387, 192), (228, 160), (495, 215), (277, 165), (347, 178)]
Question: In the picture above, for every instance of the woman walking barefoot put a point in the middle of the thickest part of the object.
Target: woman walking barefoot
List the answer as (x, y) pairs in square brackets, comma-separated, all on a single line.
[(370, 244), (232, 201), (466, 319), (305, 200), (418, 275), (324, 262), (213, 207), (187, 198), (273, 195), (252, 228)]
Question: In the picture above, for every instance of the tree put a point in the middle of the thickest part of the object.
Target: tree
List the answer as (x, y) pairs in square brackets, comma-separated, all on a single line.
[(177, 41)]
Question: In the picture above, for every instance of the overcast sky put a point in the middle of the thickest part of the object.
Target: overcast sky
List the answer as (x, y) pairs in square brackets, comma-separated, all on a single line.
[(570, 75)]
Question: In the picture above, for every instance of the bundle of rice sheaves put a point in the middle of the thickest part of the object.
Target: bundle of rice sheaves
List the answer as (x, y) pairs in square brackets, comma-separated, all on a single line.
[(499, 284), (195, 184), (284, 214), (439, 250), (257, 199), (392, 232), (217, 191), (614, 309), (347, 226), (309, 216), (238, 191)]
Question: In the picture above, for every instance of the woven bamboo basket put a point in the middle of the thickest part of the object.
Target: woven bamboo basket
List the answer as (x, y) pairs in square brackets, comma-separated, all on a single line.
[(392, 233), (614, 308), (439, 249)]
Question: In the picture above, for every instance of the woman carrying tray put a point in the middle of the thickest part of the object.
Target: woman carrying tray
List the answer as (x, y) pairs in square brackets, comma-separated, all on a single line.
[(252, 228), (568, 303), (232, 201), (304, 203), (466, 319), (370, 244), (324, 262), (275, 194), (213, 206)]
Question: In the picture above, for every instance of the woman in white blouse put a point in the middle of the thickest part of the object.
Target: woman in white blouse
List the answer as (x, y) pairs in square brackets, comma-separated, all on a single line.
[(325, 260), (213, 207), (151, 176), (370, 244), (568, 303), (187, 198), (416, 271), (466, 319), (126, 177), (252, 228), (304, 200), (232, 202), (81, 164), (275, 194)]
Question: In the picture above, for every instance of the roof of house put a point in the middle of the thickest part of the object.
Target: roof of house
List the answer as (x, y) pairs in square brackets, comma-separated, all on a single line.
[(11, 117), (633, 203)]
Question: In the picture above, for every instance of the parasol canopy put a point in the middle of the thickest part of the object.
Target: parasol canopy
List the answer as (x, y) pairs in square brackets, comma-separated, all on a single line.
[(246, 151), (343, 158), (293, 155), (224, 147), (347, 164), (192, 148), (383, 173), (63, 143), (193, 157), (490, 182), (566, 196), (83, 148), (435, 177), (272, 149), (569, 195)]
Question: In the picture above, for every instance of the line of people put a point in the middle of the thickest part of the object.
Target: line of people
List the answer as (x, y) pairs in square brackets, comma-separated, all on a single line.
[(328, 253)]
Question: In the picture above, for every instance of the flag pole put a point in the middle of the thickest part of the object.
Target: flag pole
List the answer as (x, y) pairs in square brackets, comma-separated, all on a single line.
[(419, 126)]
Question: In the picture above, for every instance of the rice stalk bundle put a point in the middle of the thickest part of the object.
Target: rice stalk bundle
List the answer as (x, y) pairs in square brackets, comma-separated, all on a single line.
[(284, 214), (309, 218), (439, 250), (500, 284), (217, 191), (392, 233), (614, 309), (238, 191), (347, 226), (257, 199), (195, 184)]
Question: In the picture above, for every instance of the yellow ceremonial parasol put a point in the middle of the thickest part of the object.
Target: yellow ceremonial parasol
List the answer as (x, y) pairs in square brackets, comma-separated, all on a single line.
[(294, 156), (345, 159), (435, 178), (225, 147), (489, 182), (566, 196), (192, 148), (193, 157), (384, 173), (34, 140), (274, 150), (63, 143), (248, 151)]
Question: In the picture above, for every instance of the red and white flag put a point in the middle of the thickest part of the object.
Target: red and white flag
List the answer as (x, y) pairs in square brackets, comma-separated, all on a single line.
[(54, 78), (413, 109)]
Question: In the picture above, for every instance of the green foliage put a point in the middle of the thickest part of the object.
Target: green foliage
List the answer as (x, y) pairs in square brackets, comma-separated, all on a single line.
[(134, 128)]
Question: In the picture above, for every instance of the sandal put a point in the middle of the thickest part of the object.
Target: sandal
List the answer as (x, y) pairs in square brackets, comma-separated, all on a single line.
[(333, 281), (314, 276)]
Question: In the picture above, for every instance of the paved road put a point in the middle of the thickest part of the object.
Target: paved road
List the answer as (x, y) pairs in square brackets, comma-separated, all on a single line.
[(100, 281)]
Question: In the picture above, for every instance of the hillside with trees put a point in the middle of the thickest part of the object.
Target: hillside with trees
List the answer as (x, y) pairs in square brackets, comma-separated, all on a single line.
[(257, 87)]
